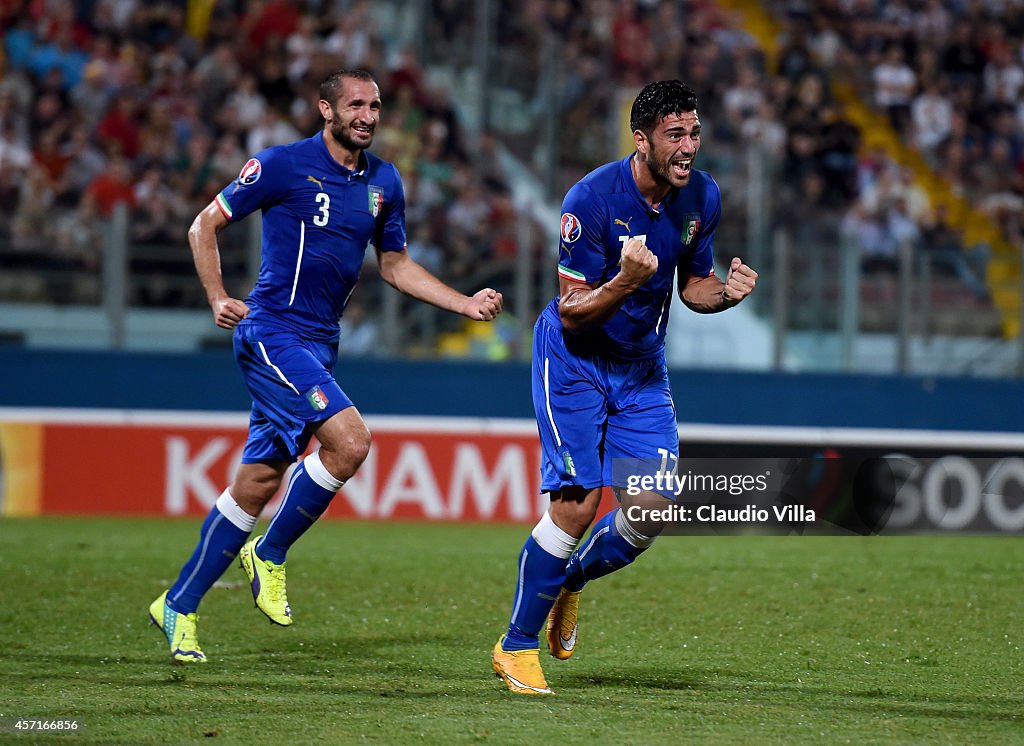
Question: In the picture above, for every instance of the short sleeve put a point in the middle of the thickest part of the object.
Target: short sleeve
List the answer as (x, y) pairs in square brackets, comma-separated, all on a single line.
[(262, 181), (581, 245), (701, 261), (390, 232)]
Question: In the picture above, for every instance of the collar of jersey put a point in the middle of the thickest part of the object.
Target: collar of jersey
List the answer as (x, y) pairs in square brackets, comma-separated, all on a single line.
[(627, 173), (363, 156)]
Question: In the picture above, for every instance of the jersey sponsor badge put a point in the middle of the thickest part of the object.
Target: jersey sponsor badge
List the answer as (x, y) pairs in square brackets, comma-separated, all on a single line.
[(691, 224), (376, 196), (250, 172), (317, 399), (571, 228)]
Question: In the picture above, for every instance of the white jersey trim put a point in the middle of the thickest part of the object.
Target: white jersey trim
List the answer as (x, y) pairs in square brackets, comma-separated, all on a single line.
[(298, 261)]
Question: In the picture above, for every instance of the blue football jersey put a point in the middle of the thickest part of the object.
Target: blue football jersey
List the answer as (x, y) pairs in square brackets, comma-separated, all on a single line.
[(318, 219), (599, 214)]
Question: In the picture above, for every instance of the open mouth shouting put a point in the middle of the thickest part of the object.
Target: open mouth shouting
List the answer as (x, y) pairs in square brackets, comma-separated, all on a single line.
[(681, 167)]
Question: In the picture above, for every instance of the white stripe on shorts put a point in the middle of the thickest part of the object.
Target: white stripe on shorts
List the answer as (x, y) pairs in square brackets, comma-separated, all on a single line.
[(276, 369), (547, 402)]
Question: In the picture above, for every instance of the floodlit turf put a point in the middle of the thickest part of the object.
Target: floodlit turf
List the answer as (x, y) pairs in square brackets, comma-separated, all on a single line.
[(734, 640)]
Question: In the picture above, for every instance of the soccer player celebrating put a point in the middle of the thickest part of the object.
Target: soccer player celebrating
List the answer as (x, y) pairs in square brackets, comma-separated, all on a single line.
[(600, 382), (323, 200)]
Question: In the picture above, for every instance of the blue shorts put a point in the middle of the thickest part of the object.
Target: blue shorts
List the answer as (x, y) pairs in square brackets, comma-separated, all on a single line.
[(594, 413), (292, 387)]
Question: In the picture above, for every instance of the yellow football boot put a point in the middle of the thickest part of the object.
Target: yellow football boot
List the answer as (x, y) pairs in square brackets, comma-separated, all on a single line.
[(179, 629), (268, 584), (562, 625), (519, 669)]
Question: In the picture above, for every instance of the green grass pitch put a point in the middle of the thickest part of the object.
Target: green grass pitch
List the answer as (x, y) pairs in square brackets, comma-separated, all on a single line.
[(704, 640)]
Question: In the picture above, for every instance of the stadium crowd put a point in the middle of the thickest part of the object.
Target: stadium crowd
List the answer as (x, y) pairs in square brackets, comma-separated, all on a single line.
[(104, 103), (157, 105), (949, 77)]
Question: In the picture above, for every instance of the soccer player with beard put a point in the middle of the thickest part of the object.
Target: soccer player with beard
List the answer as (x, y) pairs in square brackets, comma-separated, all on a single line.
[(323, 199), (600, 382)]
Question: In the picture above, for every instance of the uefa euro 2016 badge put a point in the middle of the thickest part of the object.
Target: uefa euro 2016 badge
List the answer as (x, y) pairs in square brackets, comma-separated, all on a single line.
[(571, 227), (250, 173)]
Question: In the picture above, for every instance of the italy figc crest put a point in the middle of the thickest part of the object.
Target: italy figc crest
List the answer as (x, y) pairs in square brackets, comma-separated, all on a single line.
[(376, 195), (691, 224)]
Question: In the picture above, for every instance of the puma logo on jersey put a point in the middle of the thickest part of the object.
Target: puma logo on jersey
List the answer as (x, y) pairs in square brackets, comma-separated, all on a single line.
[(315, 181), (624, 224)]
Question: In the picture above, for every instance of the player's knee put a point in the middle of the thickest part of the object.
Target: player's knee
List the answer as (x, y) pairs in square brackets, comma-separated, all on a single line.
[(253, 491), (573, 509), (344, 456), (359, 448)]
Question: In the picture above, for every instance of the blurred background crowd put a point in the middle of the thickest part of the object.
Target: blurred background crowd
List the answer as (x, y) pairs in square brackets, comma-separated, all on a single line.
[(881, 124)]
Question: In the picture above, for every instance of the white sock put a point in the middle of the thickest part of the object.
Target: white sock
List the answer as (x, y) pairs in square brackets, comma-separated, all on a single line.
[(233, 512), (552, 539)]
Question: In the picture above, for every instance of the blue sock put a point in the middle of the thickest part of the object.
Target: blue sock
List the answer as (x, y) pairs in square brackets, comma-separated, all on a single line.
[(224, 532), (309, 492), (541, 572), (604, 552)]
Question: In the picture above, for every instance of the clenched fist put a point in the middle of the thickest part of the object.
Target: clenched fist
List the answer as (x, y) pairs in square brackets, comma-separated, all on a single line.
[(739, 282), (638, 263), (227, 312), (485, 305)]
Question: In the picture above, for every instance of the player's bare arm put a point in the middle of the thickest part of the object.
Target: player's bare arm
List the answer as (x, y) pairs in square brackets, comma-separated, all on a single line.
[(202, 238), (586, 305), (711, 295), (404, 274)]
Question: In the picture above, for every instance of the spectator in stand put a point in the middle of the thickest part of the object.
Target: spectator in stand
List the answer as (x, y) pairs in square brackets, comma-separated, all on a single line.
[(962, 60), (115, 185), (85, 163), (119, 128), (742, 99), (33, 214), (1003, 76), (839, 144), (358, 334), (228, 157), (248, 101), (764, 128), (866, 227), (943, 245), (351, 40), (52, 104), (49, 157), (267, 23), (15, 155), (60, 54), (469, 211), (895, 84), (273, 129), (930, 114), (932, 23), (90, 96)]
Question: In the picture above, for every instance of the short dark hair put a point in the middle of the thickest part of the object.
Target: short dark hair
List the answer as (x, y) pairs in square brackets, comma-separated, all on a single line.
[(657, 100), (330, 89)]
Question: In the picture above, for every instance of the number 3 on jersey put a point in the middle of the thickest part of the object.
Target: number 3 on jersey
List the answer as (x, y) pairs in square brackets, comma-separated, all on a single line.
[(324, 201)]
